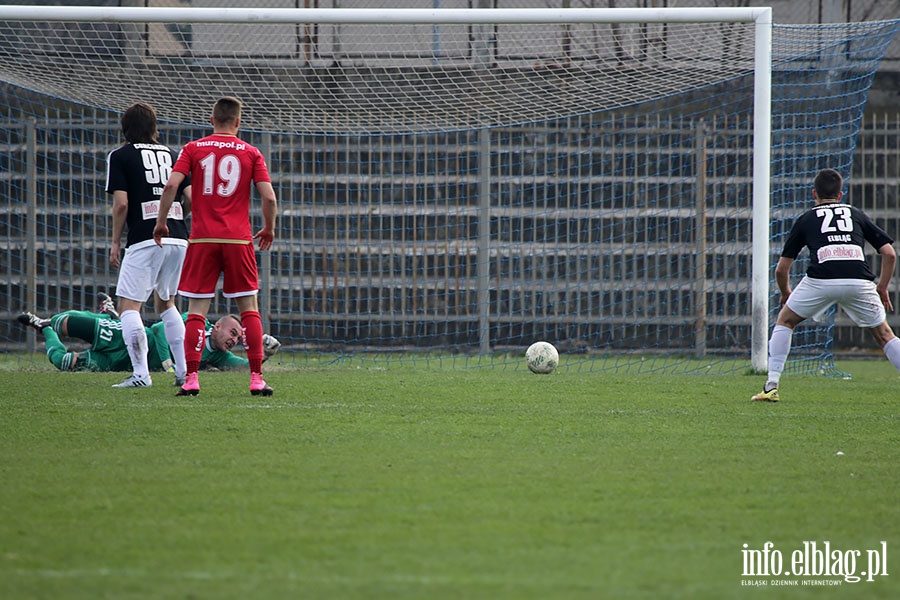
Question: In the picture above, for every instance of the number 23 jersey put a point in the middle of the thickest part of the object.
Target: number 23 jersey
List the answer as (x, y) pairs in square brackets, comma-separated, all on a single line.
[(222, 168), (836, 235)]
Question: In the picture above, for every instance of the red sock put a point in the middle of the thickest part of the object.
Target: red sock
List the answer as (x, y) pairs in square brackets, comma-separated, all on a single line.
[(253, 344), (194, 338)]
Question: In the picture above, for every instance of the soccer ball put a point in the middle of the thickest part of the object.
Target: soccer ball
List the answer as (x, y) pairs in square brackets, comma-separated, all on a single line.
[(542, 358)]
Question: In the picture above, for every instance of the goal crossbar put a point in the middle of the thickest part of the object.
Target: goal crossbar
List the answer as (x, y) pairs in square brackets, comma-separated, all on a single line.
[(128, 14)]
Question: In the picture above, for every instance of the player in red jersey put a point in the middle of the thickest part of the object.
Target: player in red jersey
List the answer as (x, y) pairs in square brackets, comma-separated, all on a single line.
[(223, 169)]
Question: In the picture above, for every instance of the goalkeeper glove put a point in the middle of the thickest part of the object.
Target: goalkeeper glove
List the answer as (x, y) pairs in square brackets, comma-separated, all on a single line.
[(270, 346)]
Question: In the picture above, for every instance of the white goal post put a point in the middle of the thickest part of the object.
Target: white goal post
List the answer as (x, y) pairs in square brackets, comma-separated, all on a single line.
[(761, 17)]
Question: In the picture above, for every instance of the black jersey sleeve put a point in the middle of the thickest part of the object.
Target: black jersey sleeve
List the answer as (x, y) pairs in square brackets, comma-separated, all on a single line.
[(116, 177), (875, 235), (796, 240)]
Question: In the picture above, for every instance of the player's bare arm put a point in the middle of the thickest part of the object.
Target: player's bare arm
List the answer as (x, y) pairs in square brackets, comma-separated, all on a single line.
[(888, 261), (119, 214), (783, 278), (186, 201), (165, 203), (266, 235)]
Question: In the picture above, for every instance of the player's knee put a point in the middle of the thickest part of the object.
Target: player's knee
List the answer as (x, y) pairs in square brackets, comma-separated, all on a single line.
[(788, 318), (882, 334), (61, 324)]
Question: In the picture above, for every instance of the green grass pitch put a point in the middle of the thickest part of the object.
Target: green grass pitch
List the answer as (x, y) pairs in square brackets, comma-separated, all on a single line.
[(415, 482)]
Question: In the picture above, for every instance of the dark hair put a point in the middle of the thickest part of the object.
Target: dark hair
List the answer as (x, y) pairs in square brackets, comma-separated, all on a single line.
[(139, 124), (828, 184), (227, 110)]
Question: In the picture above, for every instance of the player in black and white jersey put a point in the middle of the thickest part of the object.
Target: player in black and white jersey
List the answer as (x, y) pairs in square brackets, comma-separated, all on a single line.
[(836, 235), (136, 175)]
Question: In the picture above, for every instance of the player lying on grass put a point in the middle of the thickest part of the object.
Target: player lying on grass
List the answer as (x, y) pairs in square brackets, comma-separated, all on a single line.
[(109, 353)]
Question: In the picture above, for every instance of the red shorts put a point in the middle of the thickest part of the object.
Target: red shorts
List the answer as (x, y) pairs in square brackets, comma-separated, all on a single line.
[(205, 261)]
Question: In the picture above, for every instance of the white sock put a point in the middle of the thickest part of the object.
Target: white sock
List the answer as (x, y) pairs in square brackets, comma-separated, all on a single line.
[(174, 327), (779, 348), (892, 351), (136, 341)]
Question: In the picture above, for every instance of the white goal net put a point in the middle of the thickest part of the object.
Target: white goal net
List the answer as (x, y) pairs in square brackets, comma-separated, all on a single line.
[(377, 72), (460, 184)]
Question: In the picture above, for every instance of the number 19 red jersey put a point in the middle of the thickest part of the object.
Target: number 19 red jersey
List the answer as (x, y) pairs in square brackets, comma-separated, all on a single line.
[(223, 169)]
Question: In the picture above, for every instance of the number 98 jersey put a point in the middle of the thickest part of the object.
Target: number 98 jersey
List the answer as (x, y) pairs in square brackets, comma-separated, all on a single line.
[(141, 170)]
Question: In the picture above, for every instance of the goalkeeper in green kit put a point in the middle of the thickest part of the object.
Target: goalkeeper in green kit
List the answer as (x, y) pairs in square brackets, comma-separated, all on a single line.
[(109, 353)]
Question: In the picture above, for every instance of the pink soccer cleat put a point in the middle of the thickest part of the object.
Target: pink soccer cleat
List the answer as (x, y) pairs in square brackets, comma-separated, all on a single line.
[(190, 387), (258, 387)]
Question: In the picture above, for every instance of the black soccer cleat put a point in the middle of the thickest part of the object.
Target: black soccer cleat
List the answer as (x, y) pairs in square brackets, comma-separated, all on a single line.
[(107, 305), (32, 320)]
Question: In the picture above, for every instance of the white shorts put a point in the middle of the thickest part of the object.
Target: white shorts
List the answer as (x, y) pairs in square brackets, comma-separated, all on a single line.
[(147, 268), (858, 298)]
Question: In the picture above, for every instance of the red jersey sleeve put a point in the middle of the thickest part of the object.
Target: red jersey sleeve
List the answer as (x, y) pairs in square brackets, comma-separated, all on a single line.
[(183, 163), (260, 170)]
